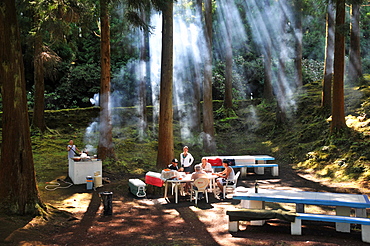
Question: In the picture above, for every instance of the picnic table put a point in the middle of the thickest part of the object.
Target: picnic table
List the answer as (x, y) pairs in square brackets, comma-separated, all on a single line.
[(343, 202), (183, 178), (245, 161)]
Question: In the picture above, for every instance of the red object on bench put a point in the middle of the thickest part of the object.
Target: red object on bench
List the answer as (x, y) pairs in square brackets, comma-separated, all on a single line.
[(153, 178), (215, 162)]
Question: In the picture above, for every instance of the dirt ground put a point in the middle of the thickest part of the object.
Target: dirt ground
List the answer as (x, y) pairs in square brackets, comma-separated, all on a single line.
[(156, 221)]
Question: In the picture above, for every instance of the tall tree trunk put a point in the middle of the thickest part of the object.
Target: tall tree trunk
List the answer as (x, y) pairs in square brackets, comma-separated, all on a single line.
[(329, 57), (165, 134), (228, 100), (143, 122), (355, 64), (297, 30), (267, 88), (18, 189), (338, 120), (38, 120), (105, 146), (209, 142)]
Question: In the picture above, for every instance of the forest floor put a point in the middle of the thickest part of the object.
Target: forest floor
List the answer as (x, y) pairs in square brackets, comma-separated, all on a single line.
[(155, 221)]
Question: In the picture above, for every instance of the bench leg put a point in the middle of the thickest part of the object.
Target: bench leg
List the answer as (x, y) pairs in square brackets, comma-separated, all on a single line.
[(296, 227), (365, 232), (233, 226), (275, 171), (343, 211)]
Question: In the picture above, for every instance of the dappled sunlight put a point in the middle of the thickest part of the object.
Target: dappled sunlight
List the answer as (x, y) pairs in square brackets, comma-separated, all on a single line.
[(78, 202)]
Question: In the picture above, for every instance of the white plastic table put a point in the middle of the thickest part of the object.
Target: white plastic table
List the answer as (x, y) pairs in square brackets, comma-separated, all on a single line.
[(186, 178), (342, 202)]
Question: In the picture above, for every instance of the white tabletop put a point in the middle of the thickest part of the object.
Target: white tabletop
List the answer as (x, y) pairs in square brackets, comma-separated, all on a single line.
[(187, 178), (304, 197), (241, 157)]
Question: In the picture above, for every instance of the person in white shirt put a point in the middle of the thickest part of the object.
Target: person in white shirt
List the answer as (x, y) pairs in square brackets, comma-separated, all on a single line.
[(206, 166), (186, 159)]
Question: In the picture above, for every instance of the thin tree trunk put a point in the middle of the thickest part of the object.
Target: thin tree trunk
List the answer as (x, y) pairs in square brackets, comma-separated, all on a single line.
[(105, 146), (228, 100), (18, 189), (355, 64), (165, 134), (329, 57), (297, 30), (209, 142), (338, 120), (38, 120)]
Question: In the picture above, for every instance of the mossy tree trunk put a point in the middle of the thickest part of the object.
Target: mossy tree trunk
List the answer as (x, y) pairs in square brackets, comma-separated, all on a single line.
[(165, 132), (18, 190)]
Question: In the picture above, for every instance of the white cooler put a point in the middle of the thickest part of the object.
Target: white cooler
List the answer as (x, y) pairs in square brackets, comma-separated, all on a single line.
[(79, 170)]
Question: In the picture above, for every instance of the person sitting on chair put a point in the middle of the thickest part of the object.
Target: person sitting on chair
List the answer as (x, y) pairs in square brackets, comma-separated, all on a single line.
[(227, 173), (206, 166), (199, 173), (175, 166)]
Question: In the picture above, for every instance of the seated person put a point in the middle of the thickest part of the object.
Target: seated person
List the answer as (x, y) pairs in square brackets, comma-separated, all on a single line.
[(175, 166), (199, 173), (227, 173), (206, 166)]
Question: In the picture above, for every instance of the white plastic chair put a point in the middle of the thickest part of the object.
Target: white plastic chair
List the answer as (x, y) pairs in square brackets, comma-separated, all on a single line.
[(202, 186), (231, 183)]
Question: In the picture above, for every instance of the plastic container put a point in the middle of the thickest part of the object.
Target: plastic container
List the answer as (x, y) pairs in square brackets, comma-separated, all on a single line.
[(89, 183)]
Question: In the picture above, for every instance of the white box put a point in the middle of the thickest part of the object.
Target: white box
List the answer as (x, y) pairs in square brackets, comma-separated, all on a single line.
[(79, 170)]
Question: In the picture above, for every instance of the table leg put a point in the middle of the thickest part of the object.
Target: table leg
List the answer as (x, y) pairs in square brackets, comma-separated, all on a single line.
[(254, 204), (243, 171), (165, 189), (176, 193), (343, 211), (260, 170), (299, 208)]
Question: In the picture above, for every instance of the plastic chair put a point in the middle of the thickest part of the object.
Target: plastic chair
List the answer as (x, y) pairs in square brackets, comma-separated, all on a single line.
[(231, 183), (202, 186)]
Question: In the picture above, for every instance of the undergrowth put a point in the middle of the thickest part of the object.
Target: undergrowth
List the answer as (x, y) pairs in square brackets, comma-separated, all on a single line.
[(303, 140)]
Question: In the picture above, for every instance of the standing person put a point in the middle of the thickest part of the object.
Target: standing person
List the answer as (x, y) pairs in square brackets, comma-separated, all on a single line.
[(227, 173), (206, 166), (72, 149), (186, 159)]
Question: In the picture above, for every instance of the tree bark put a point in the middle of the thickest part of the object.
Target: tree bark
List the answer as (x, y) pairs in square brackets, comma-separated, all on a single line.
[(38, 120), (329, 57), (105, 146), (165, 134), (209, 142), (18, 189), (355, 64), (338, 120)]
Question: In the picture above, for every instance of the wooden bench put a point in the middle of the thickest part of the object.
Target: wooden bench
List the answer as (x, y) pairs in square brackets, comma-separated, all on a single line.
[(295, 218)]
